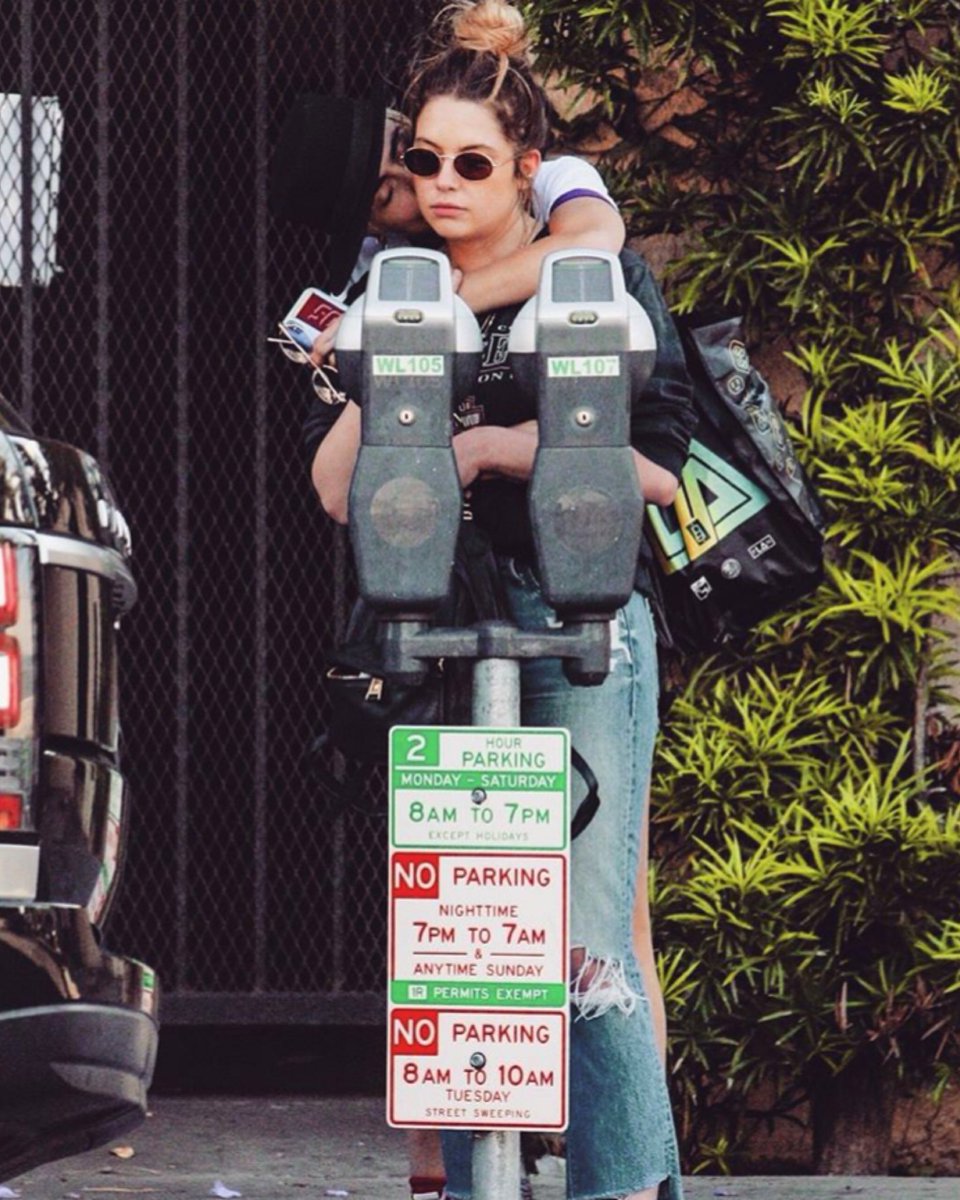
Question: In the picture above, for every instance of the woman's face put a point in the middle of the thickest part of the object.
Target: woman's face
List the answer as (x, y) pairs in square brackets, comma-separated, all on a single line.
[(394, 207), (461, 209)]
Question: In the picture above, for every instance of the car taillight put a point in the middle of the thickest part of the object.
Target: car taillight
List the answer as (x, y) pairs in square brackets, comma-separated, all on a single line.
[(8, 584), (9, 646), (9, 681), (11, 812)]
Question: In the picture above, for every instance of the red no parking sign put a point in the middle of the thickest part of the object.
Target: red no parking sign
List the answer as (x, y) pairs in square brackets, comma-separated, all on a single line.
[(478, 929), (477, 1068)]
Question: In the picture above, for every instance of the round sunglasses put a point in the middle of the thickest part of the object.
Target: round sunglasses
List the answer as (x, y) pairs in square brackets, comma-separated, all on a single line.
[(469, 164)]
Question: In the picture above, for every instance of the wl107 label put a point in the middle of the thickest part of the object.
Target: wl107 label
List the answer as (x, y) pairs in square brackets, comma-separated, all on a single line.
[(583, 366)]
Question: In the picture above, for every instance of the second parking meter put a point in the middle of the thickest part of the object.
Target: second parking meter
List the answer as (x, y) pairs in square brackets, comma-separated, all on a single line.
[(585, 348), (407, 350)]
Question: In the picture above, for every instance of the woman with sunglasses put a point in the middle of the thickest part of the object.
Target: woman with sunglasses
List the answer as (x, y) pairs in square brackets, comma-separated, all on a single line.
[(338, 168), (478, 120)]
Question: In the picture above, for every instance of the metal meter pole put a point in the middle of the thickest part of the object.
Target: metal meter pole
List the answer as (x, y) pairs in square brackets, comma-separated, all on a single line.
[(496, 692), (496, 1153)]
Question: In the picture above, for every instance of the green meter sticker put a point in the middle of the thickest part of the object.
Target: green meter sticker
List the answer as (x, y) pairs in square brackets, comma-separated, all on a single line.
[(408, 364), (583, 366)]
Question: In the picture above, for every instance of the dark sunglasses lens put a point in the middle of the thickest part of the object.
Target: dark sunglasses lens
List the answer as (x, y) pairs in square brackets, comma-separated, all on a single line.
[(421, 162), (473, 166)]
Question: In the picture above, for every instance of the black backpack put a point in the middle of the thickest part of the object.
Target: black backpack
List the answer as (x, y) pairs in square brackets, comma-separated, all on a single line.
[(744, 536)]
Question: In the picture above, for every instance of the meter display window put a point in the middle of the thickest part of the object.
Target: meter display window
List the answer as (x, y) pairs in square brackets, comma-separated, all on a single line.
[(581, 279), (410, 279)]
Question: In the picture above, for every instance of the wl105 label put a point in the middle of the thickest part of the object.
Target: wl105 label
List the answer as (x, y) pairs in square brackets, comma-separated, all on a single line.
[(408, 364)]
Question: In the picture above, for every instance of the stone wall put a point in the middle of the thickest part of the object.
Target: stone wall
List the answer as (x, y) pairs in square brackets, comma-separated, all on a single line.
[(926, 1140)]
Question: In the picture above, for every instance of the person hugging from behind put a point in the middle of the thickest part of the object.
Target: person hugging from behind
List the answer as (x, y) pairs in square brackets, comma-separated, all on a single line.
[(338, 168), (478, 121)]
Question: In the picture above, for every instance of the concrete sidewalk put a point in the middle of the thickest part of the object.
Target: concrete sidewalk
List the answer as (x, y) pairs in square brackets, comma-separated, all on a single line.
[(269, 1148)]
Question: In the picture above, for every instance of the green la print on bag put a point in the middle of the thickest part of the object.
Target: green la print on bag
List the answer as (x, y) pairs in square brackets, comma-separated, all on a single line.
[(744, 536)]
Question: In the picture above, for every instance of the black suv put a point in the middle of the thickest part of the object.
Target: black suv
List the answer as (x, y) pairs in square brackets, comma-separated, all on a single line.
[(78, 1029)]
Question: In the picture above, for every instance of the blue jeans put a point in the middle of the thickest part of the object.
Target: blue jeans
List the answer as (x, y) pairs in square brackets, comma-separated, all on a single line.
[(621, 1137)]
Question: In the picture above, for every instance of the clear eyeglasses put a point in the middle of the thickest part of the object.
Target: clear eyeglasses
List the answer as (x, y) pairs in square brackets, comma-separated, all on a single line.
[(324, 387)]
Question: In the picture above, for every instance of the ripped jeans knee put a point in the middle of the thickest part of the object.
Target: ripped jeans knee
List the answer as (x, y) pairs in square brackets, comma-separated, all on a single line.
[(599, 984)]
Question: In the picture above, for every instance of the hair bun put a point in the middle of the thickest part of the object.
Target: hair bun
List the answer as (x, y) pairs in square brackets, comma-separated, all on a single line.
[(492, 26)]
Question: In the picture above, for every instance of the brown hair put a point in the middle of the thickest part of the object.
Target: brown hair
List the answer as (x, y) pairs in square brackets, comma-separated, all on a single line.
[(482, 56)]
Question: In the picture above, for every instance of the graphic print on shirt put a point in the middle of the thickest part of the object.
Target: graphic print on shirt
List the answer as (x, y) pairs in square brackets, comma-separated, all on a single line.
[(496, 342)]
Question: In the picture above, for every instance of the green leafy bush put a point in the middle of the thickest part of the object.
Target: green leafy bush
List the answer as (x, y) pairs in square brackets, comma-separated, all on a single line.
[(807, 155)]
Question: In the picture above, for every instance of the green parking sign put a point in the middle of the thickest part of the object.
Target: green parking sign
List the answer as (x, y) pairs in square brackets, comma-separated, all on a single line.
[(468, 788)]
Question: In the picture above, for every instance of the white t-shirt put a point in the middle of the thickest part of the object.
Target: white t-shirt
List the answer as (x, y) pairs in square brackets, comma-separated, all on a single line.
[(557, 180), (368, 248), (566, 178)]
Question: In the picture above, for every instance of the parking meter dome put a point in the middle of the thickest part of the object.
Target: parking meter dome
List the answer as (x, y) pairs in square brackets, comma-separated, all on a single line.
[(409, 289), (583, 292), (408, 350)]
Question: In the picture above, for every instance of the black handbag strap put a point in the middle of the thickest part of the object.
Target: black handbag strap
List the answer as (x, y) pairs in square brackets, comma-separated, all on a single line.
[(342, 794), (587, 808)]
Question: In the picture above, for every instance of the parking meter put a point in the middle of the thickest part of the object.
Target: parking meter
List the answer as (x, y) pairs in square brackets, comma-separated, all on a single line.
[(584, 347), (407, 350)]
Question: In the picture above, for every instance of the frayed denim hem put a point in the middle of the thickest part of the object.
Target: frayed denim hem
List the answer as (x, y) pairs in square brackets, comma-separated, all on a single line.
[(600, 985)]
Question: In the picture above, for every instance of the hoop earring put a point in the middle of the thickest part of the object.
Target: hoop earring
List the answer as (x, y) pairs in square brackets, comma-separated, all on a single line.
[(526, 194)]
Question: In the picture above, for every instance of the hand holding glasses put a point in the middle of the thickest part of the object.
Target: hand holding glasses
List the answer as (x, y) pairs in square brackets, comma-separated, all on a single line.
[(324, 387), (315, 315)]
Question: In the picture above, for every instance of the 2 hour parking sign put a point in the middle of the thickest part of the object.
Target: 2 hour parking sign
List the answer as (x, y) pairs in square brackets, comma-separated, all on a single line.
[(479, 942), (479, 788)]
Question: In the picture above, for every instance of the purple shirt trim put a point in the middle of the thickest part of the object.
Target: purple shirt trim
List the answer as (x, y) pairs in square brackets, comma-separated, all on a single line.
[(579, 194)]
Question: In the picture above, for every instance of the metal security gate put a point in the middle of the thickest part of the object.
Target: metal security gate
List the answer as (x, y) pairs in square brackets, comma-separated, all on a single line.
[(140, 274)]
